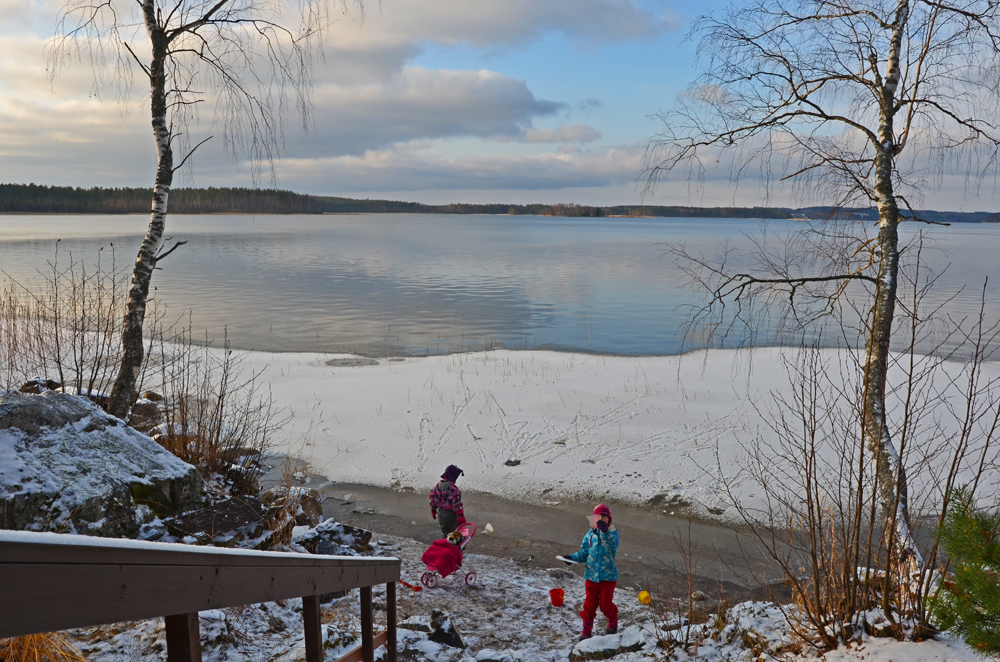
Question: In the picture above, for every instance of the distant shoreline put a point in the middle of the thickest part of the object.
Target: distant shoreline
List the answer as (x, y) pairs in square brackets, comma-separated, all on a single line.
[(35, 199)]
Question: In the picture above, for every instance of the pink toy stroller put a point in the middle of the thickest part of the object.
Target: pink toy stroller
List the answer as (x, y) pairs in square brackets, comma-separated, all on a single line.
[(444, 556)]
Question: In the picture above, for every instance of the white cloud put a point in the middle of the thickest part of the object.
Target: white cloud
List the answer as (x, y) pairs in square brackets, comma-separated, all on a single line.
[(420, 104), (508, 23), (574, 133), (413, 171)]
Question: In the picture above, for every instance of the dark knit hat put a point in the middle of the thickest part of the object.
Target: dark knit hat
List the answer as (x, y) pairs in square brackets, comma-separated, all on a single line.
[(452, 473), (603, 510)]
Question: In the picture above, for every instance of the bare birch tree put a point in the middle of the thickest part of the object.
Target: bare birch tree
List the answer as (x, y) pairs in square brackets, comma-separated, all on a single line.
[(862, 103), (239, 54)]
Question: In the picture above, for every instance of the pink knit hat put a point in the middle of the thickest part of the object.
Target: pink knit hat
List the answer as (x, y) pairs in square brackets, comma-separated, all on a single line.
[(603, 510)]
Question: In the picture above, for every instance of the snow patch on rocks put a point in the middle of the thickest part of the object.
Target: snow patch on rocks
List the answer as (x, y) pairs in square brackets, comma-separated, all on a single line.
[(66, 465)]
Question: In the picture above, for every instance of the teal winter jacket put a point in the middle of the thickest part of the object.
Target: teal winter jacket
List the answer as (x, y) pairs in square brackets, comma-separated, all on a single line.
[(598, 550)]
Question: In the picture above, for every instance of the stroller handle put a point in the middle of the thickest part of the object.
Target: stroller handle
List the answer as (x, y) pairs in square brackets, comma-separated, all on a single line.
[(468, 530)]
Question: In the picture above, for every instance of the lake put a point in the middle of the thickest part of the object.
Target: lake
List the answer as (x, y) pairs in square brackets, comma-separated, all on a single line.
[(394, 284)]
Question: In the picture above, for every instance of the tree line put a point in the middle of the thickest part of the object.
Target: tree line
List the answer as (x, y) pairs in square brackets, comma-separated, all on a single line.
[(34, 198)]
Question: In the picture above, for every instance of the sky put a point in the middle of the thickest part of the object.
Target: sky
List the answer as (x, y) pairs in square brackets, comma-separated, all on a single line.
[(434, 101)]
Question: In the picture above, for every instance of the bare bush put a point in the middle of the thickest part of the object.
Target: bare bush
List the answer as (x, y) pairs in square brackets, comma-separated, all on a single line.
[(64, 331), (820, 522), (215, 415), (65, 327)]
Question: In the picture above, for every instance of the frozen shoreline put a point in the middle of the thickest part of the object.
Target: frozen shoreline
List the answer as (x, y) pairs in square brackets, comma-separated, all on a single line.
[(535, 425)]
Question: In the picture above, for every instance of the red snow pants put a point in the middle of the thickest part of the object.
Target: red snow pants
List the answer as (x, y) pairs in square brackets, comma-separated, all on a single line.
[(599, 594)]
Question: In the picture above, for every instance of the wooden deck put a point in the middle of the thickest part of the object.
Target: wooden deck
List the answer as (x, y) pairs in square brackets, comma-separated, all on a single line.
[(54, 582)]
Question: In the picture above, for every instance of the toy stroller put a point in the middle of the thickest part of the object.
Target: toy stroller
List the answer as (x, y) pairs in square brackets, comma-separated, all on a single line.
[(444, 556)]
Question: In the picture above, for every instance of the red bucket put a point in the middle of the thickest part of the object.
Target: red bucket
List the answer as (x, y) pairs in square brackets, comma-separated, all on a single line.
[(557, 595)]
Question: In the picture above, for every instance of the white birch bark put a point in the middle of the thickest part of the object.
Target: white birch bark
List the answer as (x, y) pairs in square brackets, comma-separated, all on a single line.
[(123, 393), (889, 469)]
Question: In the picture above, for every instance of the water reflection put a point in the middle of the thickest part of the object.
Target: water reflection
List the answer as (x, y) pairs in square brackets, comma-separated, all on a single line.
[(400, 284)]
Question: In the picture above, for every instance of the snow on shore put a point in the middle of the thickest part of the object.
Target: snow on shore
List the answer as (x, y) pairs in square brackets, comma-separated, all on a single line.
[(506, 617), (535, 425)]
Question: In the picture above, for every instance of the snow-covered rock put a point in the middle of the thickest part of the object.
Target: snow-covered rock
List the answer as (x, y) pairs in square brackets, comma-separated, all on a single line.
[(416, 623), (628, 640), (66, 465), (490, 655), (443, 630), (343, 535)]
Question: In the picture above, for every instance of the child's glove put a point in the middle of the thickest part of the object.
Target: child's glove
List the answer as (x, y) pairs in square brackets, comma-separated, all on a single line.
[(566, 559), (461, 520), (602, 526), (434, 514)]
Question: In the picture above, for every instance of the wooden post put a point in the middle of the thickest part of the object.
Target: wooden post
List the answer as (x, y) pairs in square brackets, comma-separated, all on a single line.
[(312, 625), (183, 638), (390, 621), (367, 636)]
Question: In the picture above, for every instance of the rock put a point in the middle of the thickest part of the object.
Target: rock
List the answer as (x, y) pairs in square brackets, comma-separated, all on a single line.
[(225, 524), (603, 647), (490, 655), (304, 503), (66, 465), (308, 538), (416, 623), (329, 548), (443, 631), (39, 385), (343, 534), (145, 415)]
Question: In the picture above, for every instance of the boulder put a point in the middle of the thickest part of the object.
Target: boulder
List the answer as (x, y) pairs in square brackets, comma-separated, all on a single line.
[(66, 465), (603, 647), (443, 631)]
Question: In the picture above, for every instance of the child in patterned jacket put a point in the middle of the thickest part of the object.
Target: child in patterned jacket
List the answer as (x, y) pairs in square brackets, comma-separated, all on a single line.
[(446, 501), (598, 550)]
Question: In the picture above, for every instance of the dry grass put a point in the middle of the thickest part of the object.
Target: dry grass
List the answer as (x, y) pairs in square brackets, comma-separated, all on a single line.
[(44, 647), (65, 326)]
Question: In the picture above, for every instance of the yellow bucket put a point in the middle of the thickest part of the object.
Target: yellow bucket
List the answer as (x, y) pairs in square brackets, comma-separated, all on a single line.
[(645, 598)]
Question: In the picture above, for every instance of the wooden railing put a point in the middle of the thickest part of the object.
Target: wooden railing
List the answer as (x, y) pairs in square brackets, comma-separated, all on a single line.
[(54, 582)]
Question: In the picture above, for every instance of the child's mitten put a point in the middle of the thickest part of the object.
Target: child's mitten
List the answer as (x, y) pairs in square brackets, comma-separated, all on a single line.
[(602, 526)]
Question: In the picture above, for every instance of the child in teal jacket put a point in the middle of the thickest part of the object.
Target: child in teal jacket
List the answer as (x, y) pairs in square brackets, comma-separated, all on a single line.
[(598, 550)]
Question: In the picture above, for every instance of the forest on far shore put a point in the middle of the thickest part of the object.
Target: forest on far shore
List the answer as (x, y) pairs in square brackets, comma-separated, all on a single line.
[(33, 198)]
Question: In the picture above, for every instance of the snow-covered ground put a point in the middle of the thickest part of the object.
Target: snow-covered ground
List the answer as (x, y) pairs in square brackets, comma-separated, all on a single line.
[(523, 424), (507, 616)]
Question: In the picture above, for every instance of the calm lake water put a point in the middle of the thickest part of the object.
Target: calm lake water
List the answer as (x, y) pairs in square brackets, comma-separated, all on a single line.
[(417, 284)]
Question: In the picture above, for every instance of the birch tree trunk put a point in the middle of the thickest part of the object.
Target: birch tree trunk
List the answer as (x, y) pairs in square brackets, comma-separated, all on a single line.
[(888, 467), (123, 393)]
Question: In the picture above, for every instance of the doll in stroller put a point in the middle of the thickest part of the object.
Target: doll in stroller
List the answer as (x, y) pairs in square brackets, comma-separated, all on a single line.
[(444, 556)]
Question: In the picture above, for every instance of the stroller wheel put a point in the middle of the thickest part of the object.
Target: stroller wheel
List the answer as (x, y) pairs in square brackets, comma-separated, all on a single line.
[(470, 578), (429, 579)]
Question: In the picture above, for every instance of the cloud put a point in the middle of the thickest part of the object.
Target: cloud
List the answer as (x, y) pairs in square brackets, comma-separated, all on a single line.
[(376, 115), (508, 23), (420, 104), (414, 171), (574, 133)]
